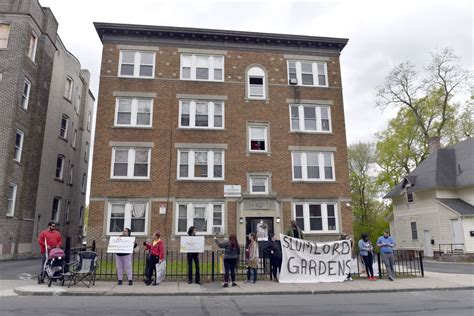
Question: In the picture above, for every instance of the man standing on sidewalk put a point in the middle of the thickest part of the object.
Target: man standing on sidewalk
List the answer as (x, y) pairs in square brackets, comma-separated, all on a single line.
[(49, 238), (386, 244)]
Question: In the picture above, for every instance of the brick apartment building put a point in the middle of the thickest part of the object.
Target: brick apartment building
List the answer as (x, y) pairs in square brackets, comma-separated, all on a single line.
[(45, 121), (231, 132)]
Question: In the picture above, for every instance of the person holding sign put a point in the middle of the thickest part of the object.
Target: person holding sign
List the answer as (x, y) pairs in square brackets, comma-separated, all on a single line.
[(193, 256), (231, 254), (252, 258), (365, 251), (157, 254), (123, 261), (386, 244)]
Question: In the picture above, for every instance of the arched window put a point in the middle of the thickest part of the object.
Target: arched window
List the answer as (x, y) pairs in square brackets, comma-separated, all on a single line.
[(256, 83)]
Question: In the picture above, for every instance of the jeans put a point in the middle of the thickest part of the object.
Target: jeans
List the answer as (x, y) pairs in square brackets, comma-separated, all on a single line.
[(368, 260), (389, 260), (193, 256), (252, 271), (229, 266), (43, 260), (124, 263), (276, 266)]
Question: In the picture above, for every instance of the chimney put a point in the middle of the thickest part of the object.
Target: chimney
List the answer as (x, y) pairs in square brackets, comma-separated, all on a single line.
[(434, 144)]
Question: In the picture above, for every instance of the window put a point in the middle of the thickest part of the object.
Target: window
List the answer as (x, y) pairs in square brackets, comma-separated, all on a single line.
[(83, 183), (77, 106), (256, 83), (11, 199), (308, 73), (55, 209), (68, 88), (59, 167), (258, 139), (63, 127), (201, 165), (208, 218), (202, 67), (67, 211), (133, 215), (81, 216), (316, 216), (89, 118), (201, 114), (133, 112), (310, 118), (18, 145), (414, 231), (71, 174), (32, 47), (4, 33), (313, 166), (25, 94), (130, 163), (259, 185), (74, 138), (86, 152), (137, 64), (410, 198)]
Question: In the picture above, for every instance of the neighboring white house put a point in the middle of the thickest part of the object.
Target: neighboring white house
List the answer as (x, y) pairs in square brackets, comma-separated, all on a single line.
[(433, 205)]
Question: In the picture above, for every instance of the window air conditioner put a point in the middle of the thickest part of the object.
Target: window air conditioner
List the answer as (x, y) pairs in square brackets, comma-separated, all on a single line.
[(216, 230), (293, 81)]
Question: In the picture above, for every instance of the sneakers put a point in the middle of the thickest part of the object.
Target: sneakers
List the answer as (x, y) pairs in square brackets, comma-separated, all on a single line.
[(226, 285), (130, 282), (349, 279), (199, 283), (391, 278), (119, 282), (190, 282), (234, 284)]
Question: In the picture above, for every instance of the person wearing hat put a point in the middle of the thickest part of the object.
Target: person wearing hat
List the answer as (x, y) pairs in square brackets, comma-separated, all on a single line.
[(294, 230), (156, 254)]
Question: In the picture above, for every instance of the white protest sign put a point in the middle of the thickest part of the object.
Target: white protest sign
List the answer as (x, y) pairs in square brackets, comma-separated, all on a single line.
[(310, 262), (121, 244), (192, 244)]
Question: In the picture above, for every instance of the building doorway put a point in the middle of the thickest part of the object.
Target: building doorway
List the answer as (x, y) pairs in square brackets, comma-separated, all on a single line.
[(428, 247), (262, 226)]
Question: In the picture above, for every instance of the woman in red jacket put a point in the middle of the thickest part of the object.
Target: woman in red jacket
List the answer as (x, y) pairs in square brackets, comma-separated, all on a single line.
[(156, 254)]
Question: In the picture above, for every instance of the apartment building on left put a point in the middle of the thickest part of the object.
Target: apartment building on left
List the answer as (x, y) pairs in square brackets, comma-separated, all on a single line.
[(46, 111)]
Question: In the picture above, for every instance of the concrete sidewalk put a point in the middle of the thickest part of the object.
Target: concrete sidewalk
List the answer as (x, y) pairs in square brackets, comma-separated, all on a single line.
[(431, 281)]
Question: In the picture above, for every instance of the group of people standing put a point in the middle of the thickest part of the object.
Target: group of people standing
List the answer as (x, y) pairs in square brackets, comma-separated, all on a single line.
[(385, 244)]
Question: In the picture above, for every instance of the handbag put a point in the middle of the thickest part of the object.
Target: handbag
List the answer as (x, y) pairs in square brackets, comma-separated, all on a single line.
[(160, 271), (252, 263)]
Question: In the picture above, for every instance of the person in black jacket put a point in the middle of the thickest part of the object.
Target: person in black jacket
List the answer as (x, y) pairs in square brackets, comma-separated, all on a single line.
[(193, 256), (274, 253)]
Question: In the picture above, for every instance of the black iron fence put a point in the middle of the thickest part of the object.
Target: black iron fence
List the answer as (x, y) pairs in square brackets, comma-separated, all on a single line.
[(451, 248), (408, 263)]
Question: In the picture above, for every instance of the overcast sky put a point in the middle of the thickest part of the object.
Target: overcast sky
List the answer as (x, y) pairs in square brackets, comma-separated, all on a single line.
[(381, 35)]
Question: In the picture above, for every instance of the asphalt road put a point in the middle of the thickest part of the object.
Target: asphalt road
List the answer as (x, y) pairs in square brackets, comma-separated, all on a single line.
[(405, 303), (448, 267)]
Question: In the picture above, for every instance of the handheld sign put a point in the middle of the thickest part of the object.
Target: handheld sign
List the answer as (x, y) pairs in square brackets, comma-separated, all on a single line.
[(310, 262), (192, 244), (121, 244)]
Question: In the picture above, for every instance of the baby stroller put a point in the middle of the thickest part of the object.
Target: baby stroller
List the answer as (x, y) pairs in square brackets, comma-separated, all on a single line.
[(53, 268)]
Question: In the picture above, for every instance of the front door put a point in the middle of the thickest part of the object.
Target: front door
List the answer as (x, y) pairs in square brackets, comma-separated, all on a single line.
[(458, 239), (428, 248), (262, 226)]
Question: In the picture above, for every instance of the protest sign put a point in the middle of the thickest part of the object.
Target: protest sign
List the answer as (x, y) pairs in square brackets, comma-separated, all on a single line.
[(310, 262), (192, 244), (121, 244)]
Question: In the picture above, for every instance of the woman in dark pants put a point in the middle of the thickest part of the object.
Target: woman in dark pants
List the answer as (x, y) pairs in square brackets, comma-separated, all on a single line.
[(231, 255), (193, 256), (156, 254), (365, 251), (274, 253)]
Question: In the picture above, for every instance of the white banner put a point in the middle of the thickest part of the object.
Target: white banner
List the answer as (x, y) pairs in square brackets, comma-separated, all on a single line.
[(192, 244), (310, 262), (121, 244)]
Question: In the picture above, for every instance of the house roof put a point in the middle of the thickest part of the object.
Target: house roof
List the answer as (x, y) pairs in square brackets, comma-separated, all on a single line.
[(449, 167), (458, 206)]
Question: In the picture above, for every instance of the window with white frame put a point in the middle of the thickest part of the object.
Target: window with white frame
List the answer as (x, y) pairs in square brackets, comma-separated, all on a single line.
[(258, 185), (316, 217), (32, 47), (310, 118), (55, 209), (86, 152), (308, 73), (64, 126), (201, 164), (83, 183), (77, 106), (59, 167), (202, 67), (74, 137), (201, 114), (130, 163), (133, 112), (128, 214), (19, 136), (4, 34), (68, 88), (67, 211), (11, 199), (258, 138), (313, 166), (71, 174), (414, 231), (137, 64), (256, 83), (89, 121), (207, 217), (25, 94)]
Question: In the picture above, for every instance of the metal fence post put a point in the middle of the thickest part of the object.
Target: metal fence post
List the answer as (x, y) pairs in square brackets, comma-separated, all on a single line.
[(420, 254), (380, 266), (93, 245), (67, 253), (212, 266)]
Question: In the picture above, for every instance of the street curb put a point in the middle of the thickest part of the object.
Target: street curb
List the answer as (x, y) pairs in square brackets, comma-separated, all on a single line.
[(312, 292)]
